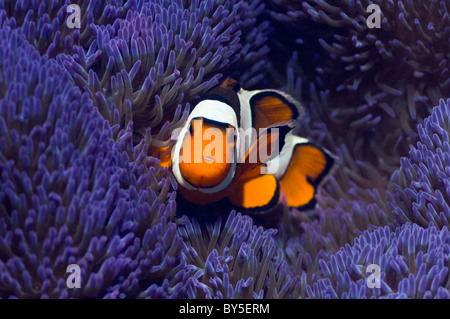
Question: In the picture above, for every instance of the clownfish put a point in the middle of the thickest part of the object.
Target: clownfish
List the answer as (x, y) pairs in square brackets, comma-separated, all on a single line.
[(222, 151)]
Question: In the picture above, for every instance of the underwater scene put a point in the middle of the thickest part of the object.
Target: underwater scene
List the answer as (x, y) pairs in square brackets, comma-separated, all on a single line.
[(229, 149)]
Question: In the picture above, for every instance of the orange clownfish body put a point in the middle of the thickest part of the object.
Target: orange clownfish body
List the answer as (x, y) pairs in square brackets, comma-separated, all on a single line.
[(222, 151)]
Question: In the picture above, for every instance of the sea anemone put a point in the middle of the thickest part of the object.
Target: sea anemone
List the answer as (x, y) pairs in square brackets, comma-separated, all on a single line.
[(364, 57), (82, 110), (413, 263), (236, 260), (252, 69), (418, 193), (333, 228), (149, 65), (378, 82), (71, 194), (420, 188), (44, 22)]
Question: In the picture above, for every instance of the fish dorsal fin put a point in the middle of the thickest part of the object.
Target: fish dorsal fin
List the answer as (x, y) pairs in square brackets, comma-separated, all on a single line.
[(272, 107), (230, 83)]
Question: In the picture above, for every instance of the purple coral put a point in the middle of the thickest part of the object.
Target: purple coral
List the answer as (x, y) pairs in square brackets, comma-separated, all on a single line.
[(421, 187), (71, 194)]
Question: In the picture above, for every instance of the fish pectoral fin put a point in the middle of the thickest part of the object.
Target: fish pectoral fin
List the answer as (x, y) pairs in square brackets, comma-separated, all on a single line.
[(307, 168), (258, 194)]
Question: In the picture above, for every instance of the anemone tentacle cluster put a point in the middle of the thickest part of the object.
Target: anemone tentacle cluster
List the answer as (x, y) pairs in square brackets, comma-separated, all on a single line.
[(236, 260), (421, 186), (71, 194), (150, 64), (44, 22), (380, 82), (413, 263)]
